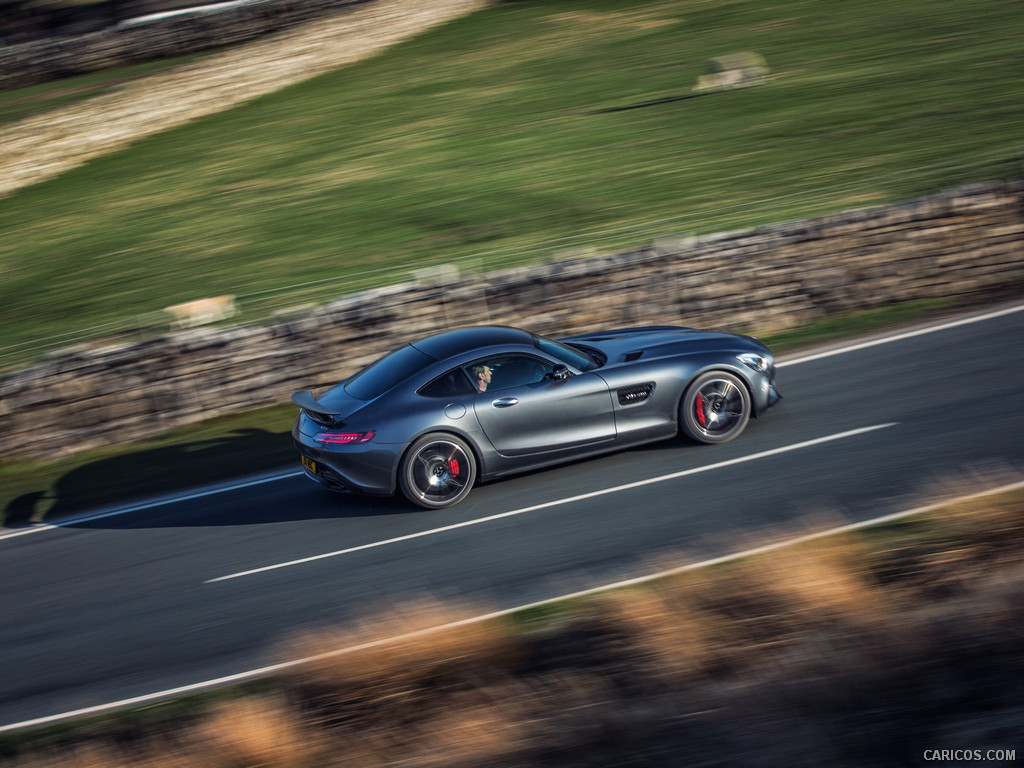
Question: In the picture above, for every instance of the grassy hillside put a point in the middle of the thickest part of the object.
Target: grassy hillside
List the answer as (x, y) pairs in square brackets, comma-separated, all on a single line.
[(529, 122)]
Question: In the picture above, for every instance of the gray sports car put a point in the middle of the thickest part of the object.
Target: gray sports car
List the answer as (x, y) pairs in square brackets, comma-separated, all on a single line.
[(436, 415)]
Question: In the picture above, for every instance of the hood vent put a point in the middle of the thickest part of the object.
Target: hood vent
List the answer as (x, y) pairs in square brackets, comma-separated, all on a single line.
[(631, 356)]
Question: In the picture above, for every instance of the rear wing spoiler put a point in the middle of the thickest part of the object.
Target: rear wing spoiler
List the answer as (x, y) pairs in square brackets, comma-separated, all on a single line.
[(309, 404)]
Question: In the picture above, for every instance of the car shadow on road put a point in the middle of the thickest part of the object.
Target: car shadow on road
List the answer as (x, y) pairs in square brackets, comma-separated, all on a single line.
[(129, 479), (305, 503), (83, 497)]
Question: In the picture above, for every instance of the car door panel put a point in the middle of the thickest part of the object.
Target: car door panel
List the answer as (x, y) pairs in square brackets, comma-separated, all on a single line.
[(547, 416)]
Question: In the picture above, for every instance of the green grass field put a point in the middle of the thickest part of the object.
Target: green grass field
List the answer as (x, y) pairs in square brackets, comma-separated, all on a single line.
[(566, 124)]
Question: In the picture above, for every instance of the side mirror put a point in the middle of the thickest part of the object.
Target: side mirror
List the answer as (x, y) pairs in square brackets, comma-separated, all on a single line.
[(560, 372)]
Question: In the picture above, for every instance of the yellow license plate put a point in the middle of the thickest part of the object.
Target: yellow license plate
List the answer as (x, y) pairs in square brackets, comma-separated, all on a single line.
[(309, 464)]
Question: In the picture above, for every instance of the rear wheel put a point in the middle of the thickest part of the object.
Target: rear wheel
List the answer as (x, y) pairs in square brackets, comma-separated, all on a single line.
[(437, 471), (715, 408)]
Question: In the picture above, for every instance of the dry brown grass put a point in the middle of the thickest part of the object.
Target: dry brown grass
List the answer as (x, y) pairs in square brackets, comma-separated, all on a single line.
[(966, 544), (722, 621), (430, 690), (421, 637), (257, 732)]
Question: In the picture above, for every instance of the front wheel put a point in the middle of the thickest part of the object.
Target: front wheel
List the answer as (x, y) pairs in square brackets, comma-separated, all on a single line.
[(437, 471), (715, 408)]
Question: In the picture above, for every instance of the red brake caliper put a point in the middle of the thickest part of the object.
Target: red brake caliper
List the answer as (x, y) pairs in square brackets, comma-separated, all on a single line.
[(700, 411), (453, 465)]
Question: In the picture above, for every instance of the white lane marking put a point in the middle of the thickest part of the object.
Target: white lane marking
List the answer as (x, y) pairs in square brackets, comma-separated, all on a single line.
[(901, 336), (39, 527), (556, 502), (149, 504), (286, 665)]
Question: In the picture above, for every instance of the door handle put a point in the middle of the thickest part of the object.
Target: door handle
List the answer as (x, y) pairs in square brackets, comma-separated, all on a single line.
[(504, 402)]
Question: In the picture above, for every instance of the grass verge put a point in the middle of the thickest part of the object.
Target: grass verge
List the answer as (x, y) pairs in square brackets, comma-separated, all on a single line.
[(258, 441), (865, 648)]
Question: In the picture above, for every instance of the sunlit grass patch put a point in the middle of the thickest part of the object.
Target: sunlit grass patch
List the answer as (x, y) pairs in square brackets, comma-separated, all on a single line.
[(386, 653), (258, 732)]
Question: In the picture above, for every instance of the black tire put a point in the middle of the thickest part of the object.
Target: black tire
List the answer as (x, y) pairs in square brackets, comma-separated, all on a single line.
[(715, 408), (437, 471)]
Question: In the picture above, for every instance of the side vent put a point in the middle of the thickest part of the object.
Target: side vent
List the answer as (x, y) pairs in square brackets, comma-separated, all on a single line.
[(637, 393), (631, 356)]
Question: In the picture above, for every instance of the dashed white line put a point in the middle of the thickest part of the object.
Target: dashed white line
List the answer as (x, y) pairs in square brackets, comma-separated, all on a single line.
[(556, 502)]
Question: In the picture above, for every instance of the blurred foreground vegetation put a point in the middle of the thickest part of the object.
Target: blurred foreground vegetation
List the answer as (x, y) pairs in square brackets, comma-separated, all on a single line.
[(524, 130), (861, 649)]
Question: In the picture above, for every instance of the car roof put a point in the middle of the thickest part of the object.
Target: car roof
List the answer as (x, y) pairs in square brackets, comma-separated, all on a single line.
[(449, 343)]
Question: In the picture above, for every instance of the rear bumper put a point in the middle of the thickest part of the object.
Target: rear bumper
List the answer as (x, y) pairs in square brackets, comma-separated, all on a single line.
[(328, 478), (348, 474), (365, 469)]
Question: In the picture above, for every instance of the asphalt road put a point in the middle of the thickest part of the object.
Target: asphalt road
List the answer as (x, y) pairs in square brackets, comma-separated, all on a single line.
[(126, 605)]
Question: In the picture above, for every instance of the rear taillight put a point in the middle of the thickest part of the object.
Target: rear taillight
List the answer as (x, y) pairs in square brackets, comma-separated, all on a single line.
[(344, 438)]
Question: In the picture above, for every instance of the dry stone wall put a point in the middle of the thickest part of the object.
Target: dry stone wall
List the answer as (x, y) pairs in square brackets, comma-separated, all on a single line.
[(969, 241), (209, 25)]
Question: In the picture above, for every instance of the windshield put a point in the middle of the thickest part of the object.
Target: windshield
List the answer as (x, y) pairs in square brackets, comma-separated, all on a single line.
[(377, 378), (573, 356)]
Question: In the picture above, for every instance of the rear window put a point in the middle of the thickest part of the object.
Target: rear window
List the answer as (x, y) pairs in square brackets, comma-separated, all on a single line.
[(449, 384), (377, 378)]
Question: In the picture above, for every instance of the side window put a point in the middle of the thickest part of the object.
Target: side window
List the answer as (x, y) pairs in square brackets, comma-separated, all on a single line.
[(504, 371), (449, 384)]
